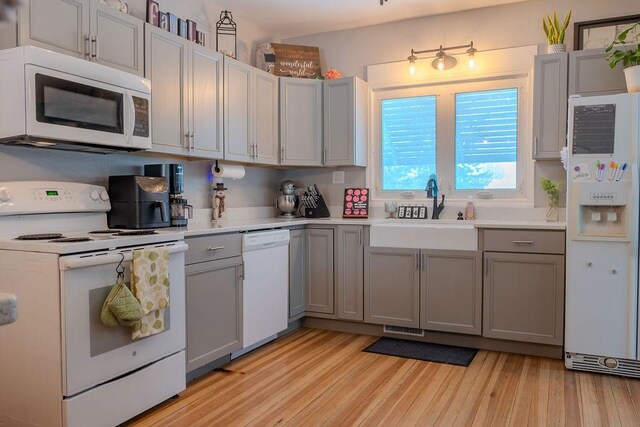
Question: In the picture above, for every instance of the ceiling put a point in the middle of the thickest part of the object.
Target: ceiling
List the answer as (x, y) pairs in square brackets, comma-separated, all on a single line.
[(291, 18)]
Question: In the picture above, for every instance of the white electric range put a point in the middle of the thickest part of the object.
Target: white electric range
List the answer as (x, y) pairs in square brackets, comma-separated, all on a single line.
[(59, 365)]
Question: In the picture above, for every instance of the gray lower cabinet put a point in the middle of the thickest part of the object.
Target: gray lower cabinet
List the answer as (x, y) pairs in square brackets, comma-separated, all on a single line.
[(451, 291), (350, 272), (549, 105), (524, 297), (297, 269), (590, 75), (319, 254), (392, 287)]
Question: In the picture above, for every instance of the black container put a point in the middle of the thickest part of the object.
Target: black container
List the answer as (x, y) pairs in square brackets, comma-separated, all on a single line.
[(174, 172), (138, 202)]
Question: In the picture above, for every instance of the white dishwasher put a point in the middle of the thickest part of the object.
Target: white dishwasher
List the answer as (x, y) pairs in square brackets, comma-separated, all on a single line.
[(265, 290)]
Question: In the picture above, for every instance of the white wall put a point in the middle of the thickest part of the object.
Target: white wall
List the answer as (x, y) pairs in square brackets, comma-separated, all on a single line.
[(517, 24)]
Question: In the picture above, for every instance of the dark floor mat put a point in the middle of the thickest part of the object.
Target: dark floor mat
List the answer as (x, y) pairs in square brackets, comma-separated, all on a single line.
[(451, 355)]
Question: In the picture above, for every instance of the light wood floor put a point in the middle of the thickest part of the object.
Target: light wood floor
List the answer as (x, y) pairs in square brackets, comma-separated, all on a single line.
[(314, 377)]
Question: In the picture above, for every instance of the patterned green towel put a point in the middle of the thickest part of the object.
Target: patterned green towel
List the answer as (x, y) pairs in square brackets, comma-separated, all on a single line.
[(121, 307)]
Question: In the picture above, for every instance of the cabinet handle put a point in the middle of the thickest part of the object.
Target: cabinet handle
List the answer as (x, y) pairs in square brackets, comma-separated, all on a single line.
[(417, 261), (94, 48), (486, 266), (87, 48), (193, 141), (215, 248), (282, 153), (523, 242), (188, 144), (324, 155), (534, 149), (255, 146), (360, 237), (241, 270), (423, 262)]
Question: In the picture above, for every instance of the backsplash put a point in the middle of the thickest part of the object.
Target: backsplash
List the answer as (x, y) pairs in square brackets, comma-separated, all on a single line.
[(256, 189)]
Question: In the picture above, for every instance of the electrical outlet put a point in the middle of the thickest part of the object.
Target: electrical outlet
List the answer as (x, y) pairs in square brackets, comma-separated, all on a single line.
[(338, 177)]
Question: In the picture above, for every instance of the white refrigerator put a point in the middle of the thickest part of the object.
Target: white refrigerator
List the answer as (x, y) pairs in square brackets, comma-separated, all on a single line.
[(601, 325)]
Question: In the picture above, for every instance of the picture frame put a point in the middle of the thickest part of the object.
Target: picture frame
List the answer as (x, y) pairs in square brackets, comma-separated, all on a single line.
[(599, 33)]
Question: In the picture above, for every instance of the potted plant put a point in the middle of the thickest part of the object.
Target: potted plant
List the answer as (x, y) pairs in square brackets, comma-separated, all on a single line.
[(553, 198), (628, 54), (555, 32)]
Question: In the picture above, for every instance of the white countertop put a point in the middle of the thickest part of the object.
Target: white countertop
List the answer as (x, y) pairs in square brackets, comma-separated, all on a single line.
[(207, 228)]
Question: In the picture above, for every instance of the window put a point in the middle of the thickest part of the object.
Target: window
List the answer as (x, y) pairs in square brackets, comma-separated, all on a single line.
[(486, 139), (408, 142), (471, 135)]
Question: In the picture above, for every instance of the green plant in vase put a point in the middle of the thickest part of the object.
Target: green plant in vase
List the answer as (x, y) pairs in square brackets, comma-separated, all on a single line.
[(553, 198), (555, 32), (625, 49)]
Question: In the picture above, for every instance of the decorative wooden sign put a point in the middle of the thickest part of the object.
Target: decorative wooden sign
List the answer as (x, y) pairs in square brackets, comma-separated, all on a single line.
[(296, 61), (356, 203)]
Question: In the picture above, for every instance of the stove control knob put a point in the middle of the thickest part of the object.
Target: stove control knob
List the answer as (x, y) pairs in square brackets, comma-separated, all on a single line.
[(94, 195), (4, 195), (104, 195)]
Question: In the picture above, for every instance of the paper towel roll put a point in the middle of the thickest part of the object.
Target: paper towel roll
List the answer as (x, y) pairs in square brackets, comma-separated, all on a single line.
[(228, 171)]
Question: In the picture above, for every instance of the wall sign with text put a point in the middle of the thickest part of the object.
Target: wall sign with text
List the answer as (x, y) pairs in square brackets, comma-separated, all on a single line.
[(296, 61)]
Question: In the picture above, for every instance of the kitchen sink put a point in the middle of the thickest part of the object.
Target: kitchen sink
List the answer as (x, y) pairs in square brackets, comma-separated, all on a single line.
[(425, 234)]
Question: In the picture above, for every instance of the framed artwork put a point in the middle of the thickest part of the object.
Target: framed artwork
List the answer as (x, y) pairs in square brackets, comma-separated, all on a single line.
[(601, 32)]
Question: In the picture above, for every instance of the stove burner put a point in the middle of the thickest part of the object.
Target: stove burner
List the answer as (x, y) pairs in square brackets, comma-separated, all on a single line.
[(136, 233), (105, 232), (47, 236), (71, 240)]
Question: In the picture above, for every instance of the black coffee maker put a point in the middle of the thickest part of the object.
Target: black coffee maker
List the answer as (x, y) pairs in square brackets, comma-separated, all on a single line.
[(180, 210), (138, 202)]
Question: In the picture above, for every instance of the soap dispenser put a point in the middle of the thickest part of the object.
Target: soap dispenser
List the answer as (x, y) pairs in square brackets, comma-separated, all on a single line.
[(470, 210)]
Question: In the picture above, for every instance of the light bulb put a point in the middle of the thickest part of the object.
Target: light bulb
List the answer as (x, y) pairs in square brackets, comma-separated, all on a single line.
[(472, 55), (412, 69), (440, 64), (412, 63), (472, 61)]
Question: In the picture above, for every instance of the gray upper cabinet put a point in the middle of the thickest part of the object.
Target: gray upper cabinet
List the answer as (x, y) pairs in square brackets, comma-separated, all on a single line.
[(451, 291), (590, 75), (118, 39), (84, 29), (250, 114), (185, 106), (350, 272), (346, 130), (300, 122), (319, 253), (238, 105), (524, 297), (550, 105), (297, 267), (392, 287)]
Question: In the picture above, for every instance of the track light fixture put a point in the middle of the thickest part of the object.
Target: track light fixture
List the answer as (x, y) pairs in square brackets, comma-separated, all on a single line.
[(443, 61)]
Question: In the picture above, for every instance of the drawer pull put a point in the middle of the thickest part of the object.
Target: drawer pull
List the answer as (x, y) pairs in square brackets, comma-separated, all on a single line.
[(523, 242), (215, 248)]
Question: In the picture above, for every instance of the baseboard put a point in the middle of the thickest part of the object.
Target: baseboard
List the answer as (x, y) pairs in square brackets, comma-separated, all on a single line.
[(554, 352)]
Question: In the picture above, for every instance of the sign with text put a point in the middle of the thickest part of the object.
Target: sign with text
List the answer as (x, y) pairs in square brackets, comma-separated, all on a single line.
[(296, 61)]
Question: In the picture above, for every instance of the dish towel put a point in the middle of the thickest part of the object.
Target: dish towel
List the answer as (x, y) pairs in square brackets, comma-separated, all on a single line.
[(150, 285), (121, 307)]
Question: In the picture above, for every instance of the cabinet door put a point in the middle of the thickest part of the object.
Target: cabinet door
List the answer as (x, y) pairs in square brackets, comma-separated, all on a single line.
[(339, 120), (550, 105), (300, 122), (451, 291), (119, 38), (166, 67), (297, 265), (59, 25), (319, 272), (350, 272), (524, 297), (265, 121), (238, 128), (590, 75), (392, 287), (214, 310), (206, 102)]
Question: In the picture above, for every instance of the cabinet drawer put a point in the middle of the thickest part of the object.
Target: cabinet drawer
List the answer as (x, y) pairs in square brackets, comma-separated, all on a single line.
[(209, 248), (531, 241)]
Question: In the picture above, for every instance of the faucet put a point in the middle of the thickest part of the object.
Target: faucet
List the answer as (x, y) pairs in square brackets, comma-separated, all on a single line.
[(432, 193)]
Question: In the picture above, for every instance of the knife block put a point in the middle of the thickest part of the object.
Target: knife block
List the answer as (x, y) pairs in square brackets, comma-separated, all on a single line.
[(320, 212)]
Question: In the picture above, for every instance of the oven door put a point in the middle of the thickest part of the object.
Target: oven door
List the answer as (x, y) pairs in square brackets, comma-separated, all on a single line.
[(94, 354), (66, 107)]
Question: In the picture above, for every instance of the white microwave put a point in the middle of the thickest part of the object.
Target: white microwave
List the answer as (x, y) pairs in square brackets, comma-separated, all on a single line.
[(57, 101)]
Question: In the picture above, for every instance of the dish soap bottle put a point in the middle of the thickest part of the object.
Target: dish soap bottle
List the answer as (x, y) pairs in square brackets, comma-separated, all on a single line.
[(470, 210)]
